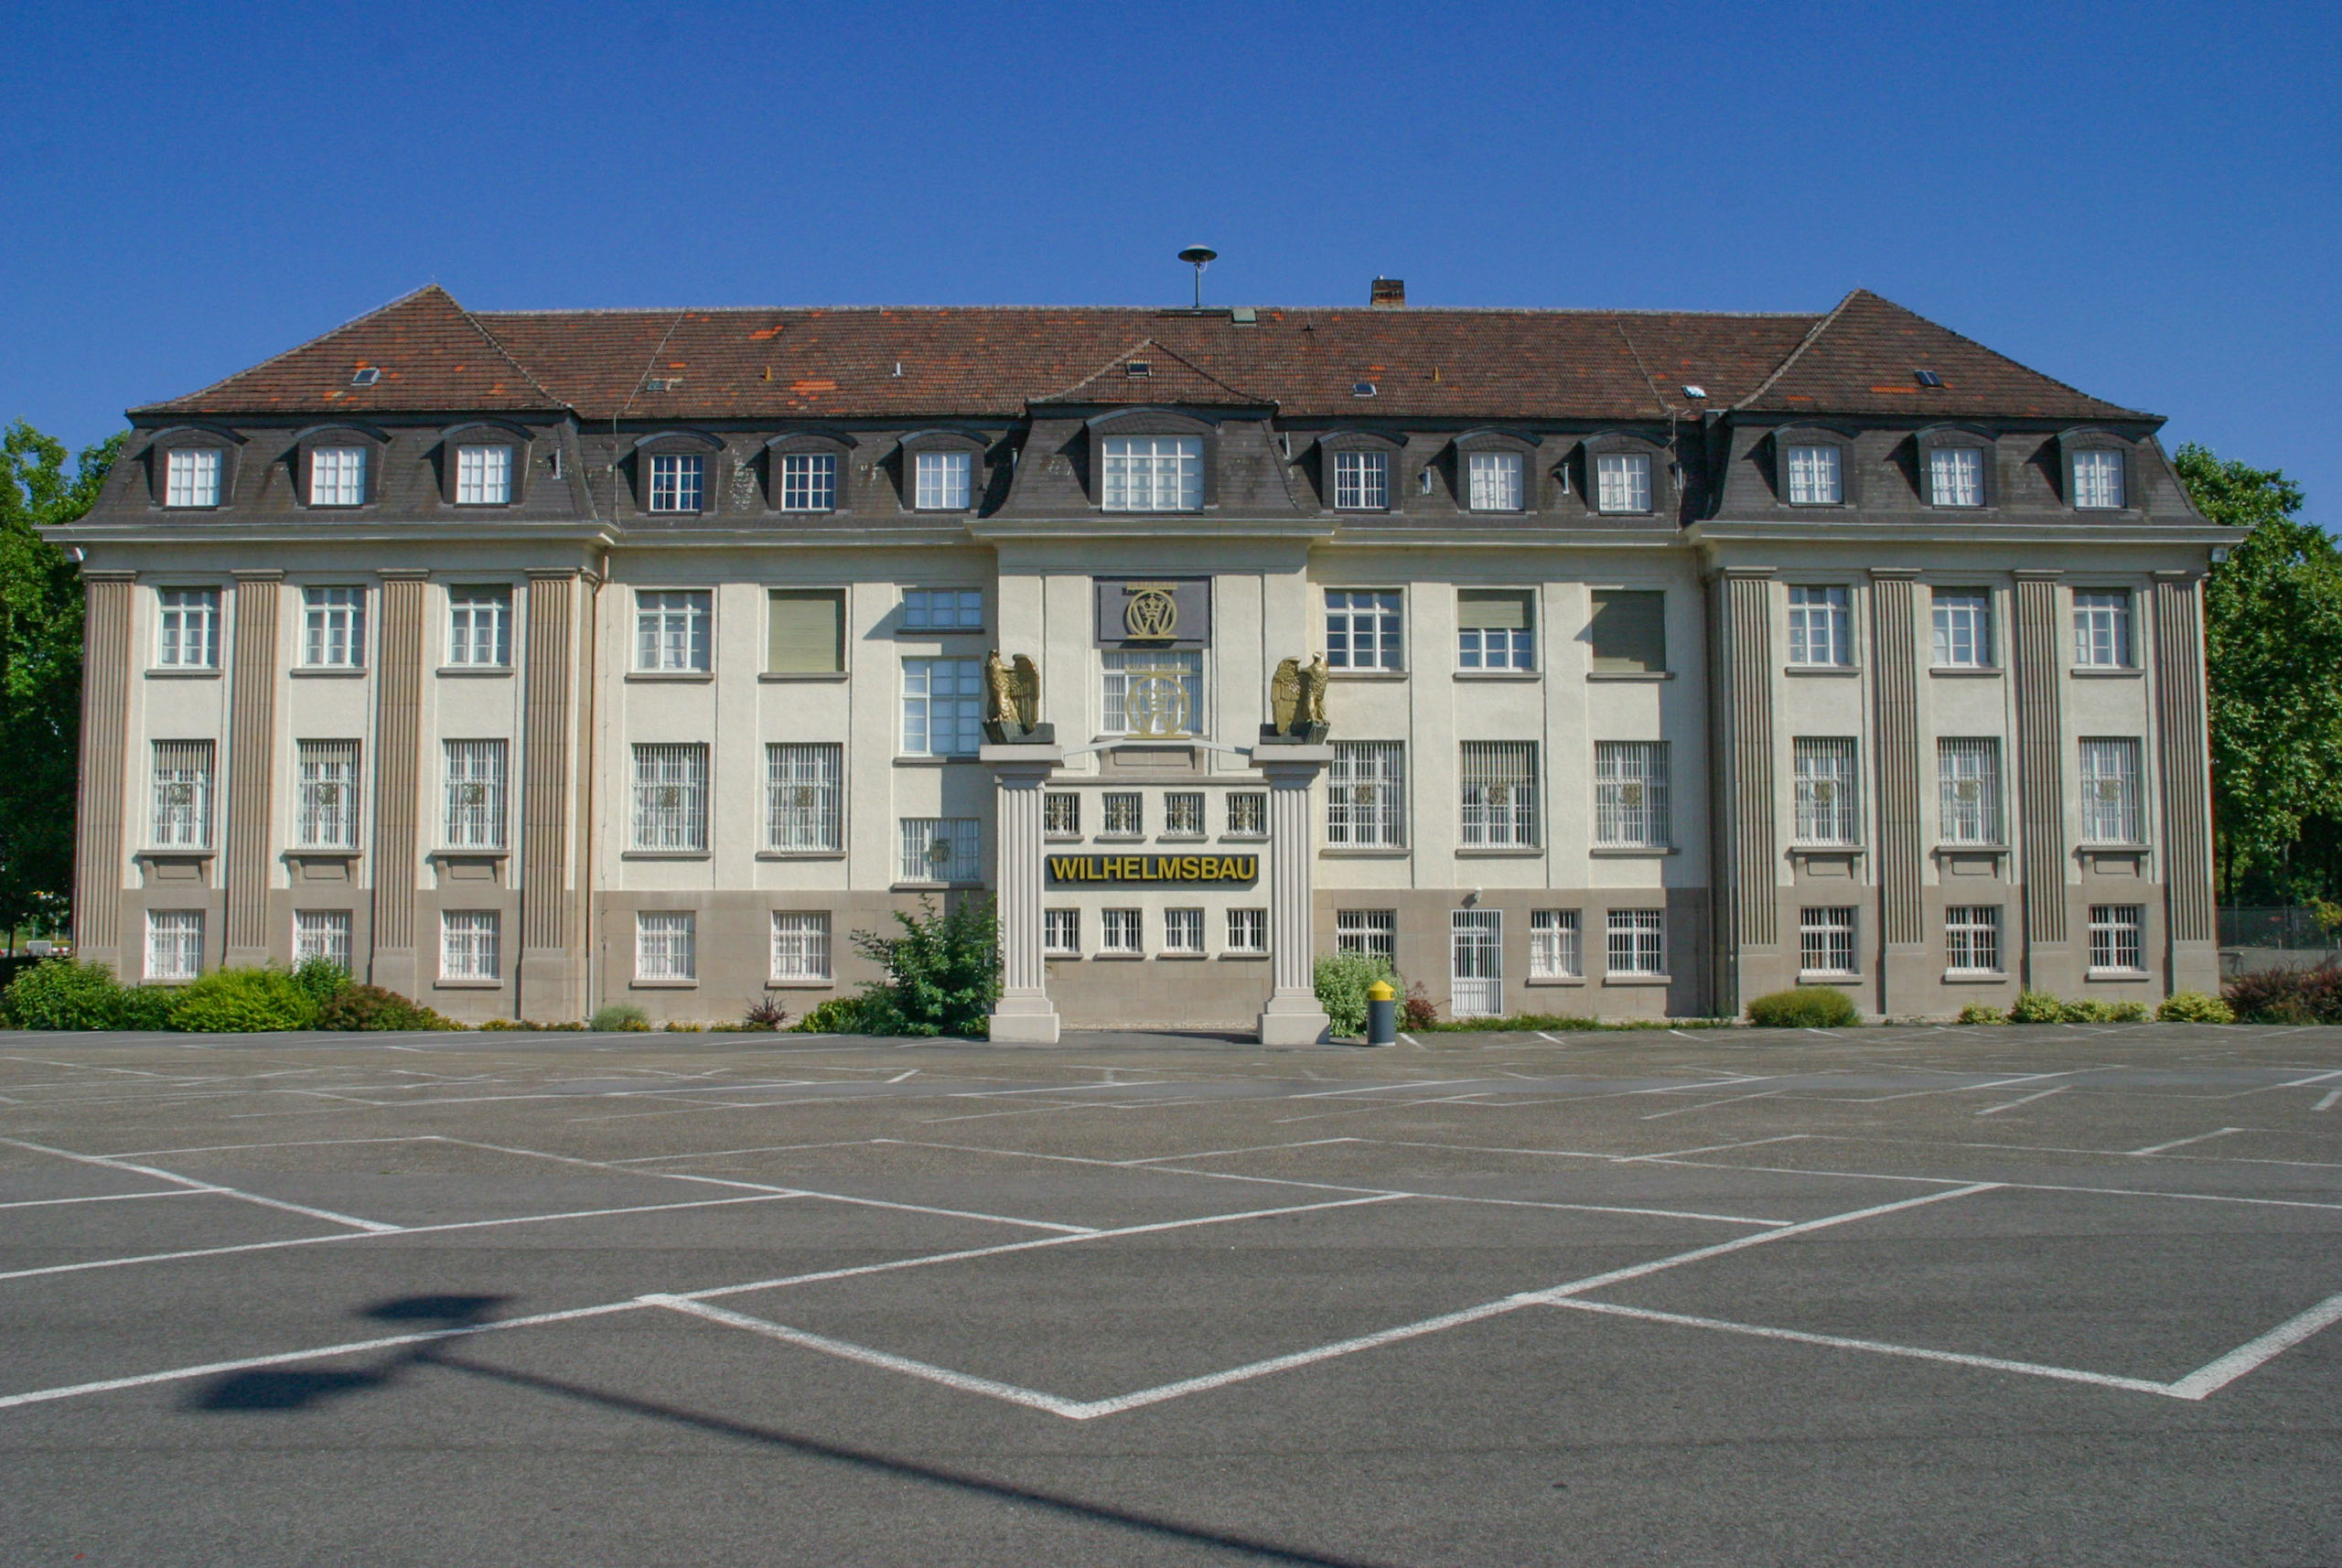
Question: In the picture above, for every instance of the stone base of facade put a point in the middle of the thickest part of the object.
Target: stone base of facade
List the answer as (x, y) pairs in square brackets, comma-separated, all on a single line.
[(1024, 1021), (1294, 1021)]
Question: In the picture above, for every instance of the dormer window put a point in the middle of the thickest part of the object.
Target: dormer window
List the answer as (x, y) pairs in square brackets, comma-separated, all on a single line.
[(1622, 482), (2098, 479), (1154, 473), (677, 480), (1361, 481), (193, 477), (338, 475), (809, 482), (1956, 475), (483, 476), (1816, 477), (941, 481), (1492, 481)]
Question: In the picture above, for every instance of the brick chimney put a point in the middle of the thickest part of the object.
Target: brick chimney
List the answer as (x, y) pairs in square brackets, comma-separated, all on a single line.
[(1388, 293)]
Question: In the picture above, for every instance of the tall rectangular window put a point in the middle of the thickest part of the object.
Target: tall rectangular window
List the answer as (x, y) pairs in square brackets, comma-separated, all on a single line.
[(479, 626), (173, 944), (1968, 777), (1152, 694), (187, 629), (192, 477), (942, 482), (1963, 619), (1061, 933), (2110, 798), (1154, 473), (1556, 949), (322, 933), (1182, 814), (805, 631), (1821, 626), (942, 707), (1361, 481), (1971, 938), (1956, 475), (2102, 629), (671, 797), (1119, 932), (1825, 940), (1122, 810), (1626, 634), (1248, 814), (1500, 803), (1814, 476), (809, 482), (1630, 806), (1248, 931), (666, 945), (1183, 932), (1362, 629), (1494, 481), (2097, 480), (943, 609), (805, 797), (2117, 934), (1493, 629), (474, 809), (1636, 942), (677, 482), (801, 945), (1826, 803), (467, 944), (483, 476), (182, 817), (1366, 795), (941, 849), (673, 629), (1374, 931), (333, 628), (1622, 482), (338, 475), (326, 808), (1061, 814)]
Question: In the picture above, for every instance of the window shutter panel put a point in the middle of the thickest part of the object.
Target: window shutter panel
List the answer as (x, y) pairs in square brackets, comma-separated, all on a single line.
[(1629, 633), (808, 633), (1494, 611)]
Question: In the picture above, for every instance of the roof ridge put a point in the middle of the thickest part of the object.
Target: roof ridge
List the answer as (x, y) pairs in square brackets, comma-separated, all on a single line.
[(308, 342), (2004, 358), (1163, 310), (1813, 336)]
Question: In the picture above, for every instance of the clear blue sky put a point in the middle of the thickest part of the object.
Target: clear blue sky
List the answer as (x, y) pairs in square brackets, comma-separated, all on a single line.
[(2144, 200)]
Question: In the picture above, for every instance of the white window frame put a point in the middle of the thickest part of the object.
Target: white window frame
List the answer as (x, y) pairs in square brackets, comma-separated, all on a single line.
[(942, 707), (338, 475), (943, 609), (1366, 795), (1622, 482), (483, 476), (1118, 667), (184, 772), (962, 838), (670, 810), (1820, 626), (678, 481), (1499, 806), (1816, 475), (2118, 939), (469, 944), (333, 628), (1061, 814), (2099, 479), (1122, 814), (1968, 781), (1956, 477), (1247, 813), (187, 629), (476, 772), (1182, 814), (1556, 945), (1121, 933), (2113, 803), (674, 630), (1153, 473), (1248, 931), (173, 944), (1361, 480), (943, 481), (191, 476), (1183, 931), (2102, 629), (1631, 806), (1374, 616), (1493, 481), (321, 933), (805, 797), (1971, 938), (1061, 933), (801, 945), (809, 482), (1374, 931), (1829, 791), (1963, 627), (326, 794), (1635, 942), (479, 626), (666, 945), (1825, 941), (1480, 646)]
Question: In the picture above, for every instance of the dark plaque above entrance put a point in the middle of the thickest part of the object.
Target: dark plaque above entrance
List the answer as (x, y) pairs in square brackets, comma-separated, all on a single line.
[(1153, 612)]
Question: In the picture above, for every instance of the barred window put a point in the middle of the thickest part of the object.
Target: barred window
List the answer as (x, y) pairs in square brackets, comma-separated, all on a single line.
[(483, 476), (801, 945), (1971, 938), (2117, 937), (1825, 940), (479, 626), (1125, 816), (1361, 481), (1362, 629), (1956, 475), (940, 481), (671, 797), (1630, 804), (2097, 480), (1061, 814), (673, 629), (941, 849), (1247, 931), (1964, 628), (1494, 481), (1494, 629), (192, 478), (2110, 780), (322, 933), (173, 944), (804, 800), (1182, 814), (809, 482), (338, 475), (943, 609), (2102, 629), (1637, 942), (1154, 473), (333, 632), (676, 481), (1814, 476), (1152, 694), (182, 795), (187, 632), (1368, 931), (475, 787), (1061, 933), (1118, 932), (1366, 795), (942, 707), (467, 944), (1499, 805), (1622, 482), (1248, 814), (1183, 931), (1555, 950), (666, 944), (1967, 772), (326, 808), (1820, 627), (1826, 803)]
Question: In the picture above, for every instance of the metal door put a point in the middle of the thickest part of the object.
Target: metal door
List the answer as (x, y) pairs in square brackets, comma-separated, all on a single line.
[(1476, 988)]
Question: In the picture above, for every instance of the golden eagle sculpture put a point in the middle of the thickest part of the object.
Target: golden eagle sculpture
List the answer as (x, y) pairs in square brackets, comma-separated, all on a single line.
[(1012, 701), (1297, 702)]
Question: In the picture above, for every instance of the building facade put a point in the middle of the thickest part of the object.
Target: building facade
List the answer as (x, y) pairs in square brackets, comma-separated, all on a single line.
[(527, 661)]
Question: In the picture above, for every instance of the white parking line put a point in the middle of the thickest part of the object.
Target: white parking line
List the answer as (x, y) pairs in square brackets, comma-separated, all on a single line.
[(213, 1186), (2183, 1143), (2013, 1104)]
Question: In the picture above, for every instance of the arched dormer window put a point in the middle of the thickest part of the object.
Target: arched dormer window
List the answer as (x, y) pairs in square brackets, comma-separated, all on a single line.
[(1152, 459), (808, 471), (192, 468), (1622, 474), (1360, 471), (1494, 471), (485, 463), (676, 472), (2095, 468), (940, 470), (337, 467), (1956, 469), (1813, 466)]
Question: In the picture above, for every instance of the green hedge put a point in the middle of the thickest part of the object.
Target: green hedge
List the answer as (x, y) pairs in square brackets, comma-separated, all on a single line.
[(1806, 1007)]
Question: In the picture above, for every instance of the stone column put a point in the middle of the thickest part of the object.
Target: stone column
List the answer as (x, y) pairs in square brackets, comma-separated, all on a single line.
[(1293, 1016), (1023, 1016), (398, 787), (1742, 804), (102, 797), (252, 767), (2194, 956), (551, 973), (1902, 928), (2040, 648)]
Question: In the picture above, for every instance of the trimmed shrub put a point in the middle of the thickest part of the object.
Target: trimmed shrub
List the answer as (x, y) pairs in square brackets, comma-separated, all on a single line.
[(148, 1007), (2130, 1012), (60, 994), (942, 972), (618, 1017), (683, 1029), (372, 1007), (1806, 1007), (321, 977), (1341, 980), (244, 1001), (2194, 1007), (2036, 1007), (1983, 1012), (838, 1016), (2103, 1013), (2287, 996)]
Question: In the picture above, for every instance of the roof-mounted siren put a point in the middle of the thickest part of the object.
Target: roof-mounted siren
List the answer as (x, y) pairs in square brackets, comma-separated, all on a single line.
[(1387, 294), (1199, 257)]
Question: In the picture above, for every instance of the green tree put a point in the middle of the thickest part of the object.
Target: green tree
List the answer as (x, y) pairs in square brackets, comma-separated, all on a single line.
[(942, 972), (40, 669), (2273, 645)]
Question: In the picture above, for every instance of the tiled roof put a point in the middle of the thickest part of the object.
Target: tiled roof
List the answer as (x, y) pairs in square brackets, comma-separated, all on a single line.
[(994, 361)]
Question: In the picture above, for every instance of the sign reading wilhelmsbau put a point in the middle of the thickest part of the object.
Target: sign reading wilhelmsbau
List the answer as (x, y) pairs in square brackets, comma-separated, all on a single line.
[(1072, 870)]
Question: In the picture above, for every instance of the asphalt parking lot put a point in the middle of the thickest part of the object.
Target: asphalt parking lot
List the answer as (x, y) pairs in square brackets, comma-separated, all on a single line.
[(1894, 1295)]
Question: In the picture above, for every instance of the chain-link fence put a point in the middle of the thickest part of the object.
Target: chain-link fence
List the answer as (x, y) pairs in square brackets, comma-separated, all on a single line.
[(2292, 929)]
